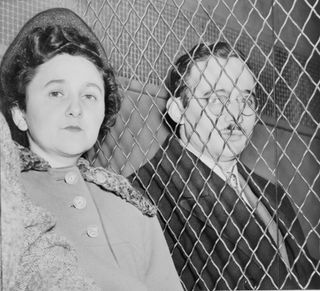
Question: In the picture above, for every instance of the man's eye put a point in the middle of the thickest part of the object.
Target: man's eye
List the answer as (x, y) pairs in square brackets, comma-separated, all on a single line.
[(215, 100), (55, 94), (219, 99), (211, 97), (249, 100)]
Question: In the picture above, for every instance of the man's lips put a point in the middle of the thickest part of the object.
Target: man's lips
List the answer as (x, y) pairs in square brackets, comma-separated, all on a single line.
[(231, 134)]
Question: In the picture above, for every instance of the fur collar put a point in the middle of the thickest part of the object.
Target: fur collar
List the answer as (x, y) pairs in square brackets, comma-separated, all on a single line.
[(109, 181)]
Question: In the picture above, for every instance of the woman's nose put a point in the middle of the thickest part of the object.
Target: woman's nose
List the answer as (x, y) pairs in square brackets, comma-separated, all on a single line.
[(74, 107)]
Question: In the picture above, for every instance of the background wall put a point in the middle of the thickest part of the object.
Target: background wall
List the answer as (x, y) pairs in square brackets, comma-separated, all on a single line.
[(143, 38)]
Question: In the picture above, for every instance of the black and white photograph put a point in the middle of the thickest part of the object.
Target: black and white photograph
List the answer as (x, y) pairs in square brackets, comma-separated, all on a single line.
[(160, 145)]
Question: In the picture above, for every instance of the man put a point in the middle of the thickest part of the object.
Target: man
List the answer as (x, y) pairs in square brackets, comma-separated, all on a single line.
[(226, 227)]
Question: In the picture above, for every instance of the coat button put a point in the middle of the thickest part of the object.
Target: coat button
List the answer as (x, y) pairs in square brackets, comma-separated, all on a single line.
[(79, 202), (101, 178), (71, 178), (92, 231)]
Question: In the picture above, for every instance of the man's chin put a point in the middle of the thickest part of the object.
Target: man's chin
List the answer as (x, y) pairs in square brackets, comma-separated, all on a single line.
[(231, 154)]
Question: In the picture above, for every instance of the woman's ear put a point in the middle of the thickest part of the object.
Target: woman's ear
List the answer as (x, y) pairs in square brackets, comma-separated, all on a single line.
[(18, 118), (175, 109)]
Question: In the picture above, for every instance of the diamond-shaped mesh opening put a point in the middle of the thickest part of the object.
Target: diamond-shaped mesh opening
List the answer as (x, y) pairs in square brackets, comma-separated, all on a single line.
[(211, 234)]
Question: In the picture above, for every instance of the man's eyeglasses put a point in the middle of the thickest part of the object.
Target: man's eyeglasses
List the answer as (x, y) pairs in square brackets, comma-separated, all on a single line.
[(220, 101)]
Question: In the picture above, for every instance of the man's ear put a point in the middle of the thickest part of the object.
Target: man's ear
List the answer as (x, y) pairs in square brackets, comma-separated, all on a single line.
[(175, 109), (18, 117)]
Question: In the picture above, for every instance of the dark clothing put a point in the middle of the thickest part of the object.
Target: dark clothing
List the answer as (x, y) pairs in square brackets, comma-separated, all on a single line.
[(215, 241)]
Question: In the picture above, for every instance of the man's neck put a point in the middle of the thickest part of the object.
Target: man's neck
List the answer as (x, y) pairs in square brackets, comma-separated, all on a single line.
[(227, 166), (224, 165)]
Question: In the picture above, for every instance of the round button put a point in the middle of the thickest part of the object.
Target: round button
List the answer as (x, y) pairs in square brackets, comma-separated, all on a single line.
[(71, 178), (79, 202), (92, 231), (101, 178)]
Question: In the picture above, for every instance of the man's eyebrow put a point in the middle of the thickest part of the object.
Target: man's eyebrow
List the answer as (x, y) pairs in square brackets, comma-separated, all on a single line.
[(251, 92), (211, 89)]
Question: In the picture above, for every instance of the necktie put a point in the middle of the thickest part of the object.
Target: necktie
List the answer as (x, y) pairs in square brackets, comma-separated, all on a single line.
[(233, 181), (264, 214)]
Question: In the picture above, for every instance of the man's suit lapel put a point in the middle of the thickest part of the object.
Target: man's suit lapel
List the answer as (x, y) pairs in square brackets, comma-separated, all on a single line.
[(275, 201), (211, 200), (217, 205), (279, 206)]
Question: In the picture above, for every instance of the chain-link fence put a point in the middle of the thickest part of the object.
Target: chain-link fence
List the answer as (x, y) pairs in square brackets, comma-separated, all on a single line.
[(281, 41)]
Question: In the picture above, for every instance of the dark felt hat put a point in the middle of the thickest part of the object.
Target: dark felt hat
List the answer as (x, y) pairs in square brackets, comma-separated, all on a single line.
[(55, 16)]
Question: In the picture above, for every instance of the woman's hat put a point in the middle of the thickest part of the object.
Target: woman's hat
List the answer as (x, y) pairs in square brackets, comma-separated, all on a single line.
[(55, 16)]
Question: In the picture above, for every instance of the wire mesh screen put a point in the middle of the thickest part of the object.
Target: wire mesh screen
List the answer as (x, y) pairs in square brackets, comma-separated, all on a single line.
[(280, 40)]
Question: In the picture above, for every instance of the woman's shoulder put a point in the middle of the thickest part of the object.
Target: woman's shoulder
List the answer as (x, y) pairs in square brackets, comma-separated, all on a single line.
[(121, 206), (118, 185)]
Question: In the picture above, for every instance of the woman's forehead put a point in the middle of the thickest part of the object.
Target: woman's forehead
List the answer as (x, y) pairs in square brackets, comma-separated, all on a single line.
[(216, 72), (68, 67)]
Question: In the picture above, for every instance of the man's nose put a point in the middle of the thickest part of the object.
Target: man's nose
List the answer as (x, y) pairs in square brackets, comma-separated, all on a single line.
[(233, 112), (74, 107)]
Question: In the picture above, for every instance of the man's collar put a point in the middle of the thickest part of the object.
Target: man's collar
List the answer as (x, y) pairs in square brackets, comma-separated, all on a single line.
[(211, 163)]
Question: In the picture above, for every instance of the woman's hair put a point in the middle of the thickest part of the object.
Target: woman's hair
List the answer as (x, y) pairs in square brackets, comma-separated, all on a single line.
[(41, 45)]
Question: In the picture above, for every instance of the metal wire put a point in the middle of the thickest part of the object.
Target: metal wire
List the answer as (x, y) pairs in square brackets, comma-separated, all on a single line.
[(144, 38), (280, 38)]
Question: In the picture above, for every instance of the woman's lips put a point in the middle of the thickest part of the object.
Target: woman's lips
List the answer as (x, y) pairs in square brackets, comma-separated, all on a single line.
[(73, 128)]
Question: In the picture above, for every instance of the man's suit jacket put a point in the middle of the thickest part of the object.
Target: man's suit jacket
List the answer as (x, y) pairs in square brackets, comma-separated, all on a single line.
[(215, 240)]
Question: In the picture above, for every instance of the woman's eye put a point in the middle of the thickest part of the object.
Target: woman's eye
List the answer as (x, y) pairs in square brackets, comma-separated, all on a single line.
[(55, 94), (90, 97)]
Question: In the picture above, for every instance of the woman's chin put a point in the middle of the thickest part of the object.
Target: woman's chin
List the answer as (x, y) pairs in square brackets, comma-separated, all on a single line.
[(72, 150)]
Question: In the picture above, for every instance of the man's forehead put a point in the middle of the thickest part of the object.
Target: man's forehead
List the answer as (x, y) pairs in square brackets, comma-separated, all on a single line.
[(215, 68)]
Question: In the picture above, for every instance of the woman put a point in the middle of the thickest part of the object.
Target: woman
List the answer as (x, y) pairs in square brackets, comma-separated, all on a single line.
[(60, 92), (33, 257)]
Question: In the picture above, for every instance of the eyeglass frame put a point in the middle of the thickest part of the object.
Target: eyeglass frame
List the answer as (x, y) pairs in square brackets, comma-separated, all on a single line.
[(227, 101)]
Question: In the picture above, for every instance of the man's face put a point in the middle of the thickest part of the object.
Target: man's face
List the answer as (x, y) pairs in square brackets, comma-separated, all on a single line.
[(220, 114)]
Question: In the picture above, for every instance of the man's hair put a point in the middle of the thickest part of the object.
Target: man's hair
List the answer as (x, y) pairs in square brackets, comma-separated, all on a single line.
[(181, 69)]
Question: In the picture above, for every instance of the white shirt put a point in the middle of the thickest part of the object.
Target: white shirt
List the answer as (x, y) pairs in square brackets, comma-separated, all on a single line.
[(214, 165)]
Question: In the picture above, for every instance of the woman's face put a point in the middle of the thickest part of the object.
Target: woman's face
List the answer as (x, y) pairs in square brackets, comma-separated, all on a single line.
[(64, 109)]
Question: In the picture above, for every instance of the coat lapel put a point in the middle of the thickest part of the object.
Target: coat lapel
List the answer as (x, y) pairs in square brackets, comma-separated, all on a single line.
[(211, 200), (281, 209), (206, 216)]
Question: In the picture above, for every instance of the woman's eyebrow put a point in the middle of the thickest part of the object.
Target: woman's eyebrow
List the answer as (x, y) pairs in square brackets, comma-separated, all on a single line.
[(95, 86), (59, 81)]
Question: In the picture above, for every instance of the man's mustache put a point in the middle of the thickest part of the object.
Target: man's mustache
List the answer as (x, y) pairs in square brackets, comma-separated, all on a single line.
[(233, 126)]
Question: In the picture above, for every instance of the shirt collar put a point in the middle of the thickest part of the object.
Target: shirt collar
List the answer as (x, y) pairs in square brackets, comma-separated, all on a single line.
[(212, 164)]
